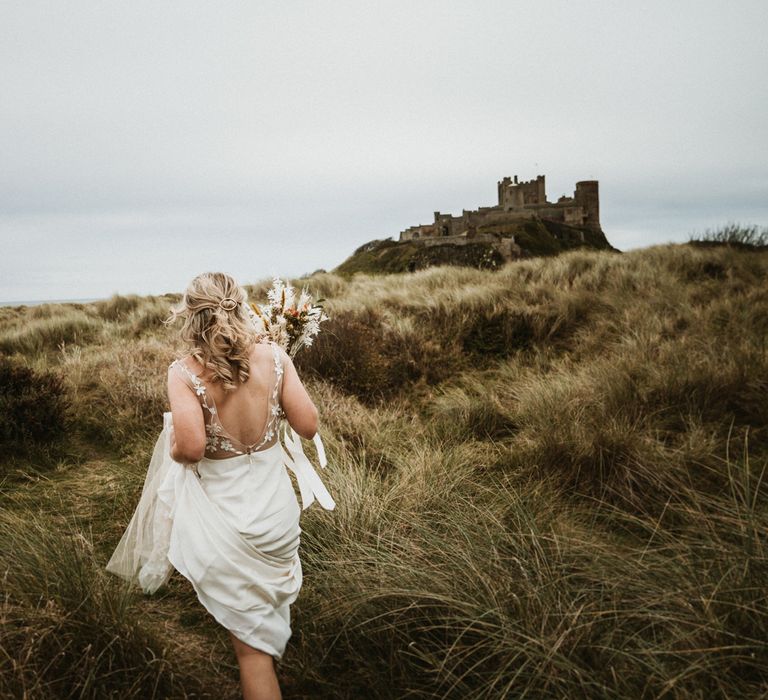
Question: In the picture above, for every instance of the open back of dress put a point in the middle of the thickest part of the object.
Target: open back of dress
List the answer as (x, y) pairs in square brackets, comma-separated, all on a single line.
[(219, 442)]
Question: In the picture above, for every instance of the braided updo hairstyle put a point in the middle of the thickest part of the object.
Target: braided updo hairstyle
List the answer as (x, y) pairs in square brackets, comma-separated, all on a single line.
[(216, 326)]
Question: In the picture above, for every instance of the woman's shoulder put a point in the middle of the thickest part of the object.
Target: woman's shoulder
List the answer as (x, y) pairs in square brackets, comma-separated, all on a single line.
[(263, 346), (186, 372), (189, 363)]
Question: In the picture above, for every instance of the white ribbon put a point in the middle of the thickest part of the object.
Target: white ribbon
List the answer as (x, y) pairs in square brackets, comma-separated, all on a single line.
[(310, 485)]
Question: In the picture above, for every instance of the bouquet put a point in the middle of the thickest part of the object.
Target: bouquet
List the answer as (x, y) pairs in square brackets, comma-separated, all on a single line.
[(289, 321)]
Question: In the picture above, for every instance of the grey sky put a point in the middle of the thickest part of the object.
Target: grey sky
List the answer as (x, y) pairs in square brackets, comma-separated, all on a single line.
[(144, 142)]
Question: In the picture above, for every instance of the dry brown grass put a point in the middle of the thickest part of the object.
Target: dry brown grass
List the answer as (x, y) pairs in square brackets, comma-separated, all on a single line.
[(550, 483)]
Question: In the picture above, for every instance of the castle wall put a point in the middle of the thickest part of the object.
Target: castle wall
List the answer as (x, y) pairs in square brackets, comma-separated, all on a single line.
[(514, 194), (500, 216), (460, 239), (565, 211), (518, 201)]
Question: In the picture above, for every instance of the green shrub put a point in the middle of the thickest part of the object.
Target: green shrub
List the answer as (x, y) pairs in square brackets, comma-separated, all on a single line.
[(499, 333), (34, 405), (357, 353)]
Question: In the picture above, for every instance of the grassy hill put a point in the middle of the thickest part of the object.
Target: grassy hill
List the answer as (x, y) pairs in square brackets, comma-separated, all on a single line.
[(550, 482), (535, 238)]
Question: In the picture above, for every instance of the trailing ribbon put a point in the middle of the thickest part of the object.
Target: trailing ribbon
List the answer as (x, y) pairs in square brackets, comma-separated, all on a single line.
[(310, 485)]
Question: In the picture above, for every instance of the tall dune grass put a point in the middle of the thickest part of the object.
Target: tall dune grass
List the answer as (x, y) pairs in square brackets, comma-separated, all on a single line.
[(39, 335), (551, 482), (66, 630), (451, 578)]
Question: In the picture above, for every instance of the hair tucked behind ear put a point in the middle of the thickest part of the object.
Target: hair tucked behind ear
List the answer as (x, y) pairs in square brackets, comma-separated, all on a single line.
[(219, 339)]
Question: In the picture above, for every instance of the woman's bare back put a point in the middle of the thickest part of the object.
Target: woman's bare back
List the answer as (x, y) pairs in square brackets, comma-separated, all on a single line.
[(243, 411)]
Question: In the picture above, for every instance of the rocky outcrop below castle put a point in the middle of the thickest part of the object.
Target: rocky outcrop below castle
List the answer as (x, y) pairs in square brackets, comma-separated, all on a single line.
[(523, 224), (484, 249)]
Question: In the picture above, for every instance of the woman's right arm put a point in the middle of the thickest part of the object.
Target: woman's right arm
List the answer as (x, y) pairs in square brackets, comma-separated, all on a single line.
[(298, 407)]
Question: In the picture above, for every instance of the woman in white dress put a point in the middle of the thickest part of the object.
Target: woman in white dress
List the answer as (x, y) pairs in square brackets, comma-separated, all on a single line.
[(222, 510)]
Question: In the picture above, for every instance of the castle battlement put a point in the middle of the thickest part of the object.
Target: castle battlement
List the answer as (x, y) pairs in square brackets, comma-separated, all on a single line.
[(518, 201)]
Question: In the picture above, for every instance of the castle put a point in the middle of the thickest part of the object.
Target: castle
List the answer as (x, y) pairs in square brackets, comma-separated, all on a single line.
[(518, 201)]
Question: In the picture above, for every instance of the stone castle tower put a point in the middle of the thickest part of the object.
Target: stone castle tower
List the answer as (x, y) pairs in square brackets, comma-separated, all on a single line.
[(518, 201)]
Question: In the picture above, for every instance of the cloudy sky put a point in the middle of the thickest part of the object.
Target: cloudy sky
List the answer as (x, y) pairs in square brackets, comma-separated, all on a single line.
[(144, 142)]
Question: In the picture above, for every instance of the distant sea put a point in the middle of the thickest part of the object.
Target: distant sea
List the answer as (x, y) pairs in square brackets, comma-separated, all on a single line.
[(48, 301), (154, 252)]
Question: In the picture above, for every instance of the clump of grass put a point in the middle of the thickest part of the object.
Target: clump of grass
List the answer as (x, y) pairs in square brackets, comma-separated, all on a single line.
[(146, 318), (322, 285), (470, 408), (117, 307), (67, 630), (504, 330), (734, 234), (47, 334), (121, 391)]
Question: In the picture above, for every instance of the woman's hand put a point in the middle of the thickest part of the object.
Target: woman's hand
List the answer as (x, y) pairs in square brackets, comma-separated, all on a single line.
[(172, 440), (174, 456)]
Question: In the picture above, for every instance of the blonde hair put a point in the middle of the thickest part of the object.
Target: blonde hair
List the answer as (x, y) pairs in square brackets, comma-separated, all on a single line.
[(217, 331)]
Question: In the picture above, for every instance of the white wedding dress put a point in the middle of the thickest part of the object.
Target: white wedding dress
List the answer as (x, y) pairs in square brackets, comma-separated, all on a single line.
[(229, 523)]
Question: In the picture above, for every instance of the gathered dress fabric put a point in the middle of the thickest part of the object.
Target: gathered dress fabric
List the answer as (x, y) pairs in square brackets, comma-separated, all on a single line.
[(229, 523)]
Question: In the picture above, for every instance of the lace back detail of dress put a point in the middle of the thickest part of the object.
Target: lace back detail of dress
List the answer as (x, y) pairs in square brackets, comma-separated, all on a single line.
[(219, 443)]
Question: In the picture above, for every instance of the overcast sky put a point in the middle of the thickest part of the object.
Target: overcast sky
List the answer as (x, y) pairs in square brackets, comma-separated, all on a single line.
[(144, 142)]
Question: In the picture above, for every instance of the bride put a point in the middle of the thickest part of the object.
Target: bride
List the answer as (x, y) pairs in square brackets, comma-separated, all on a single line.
[(218, 504)]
